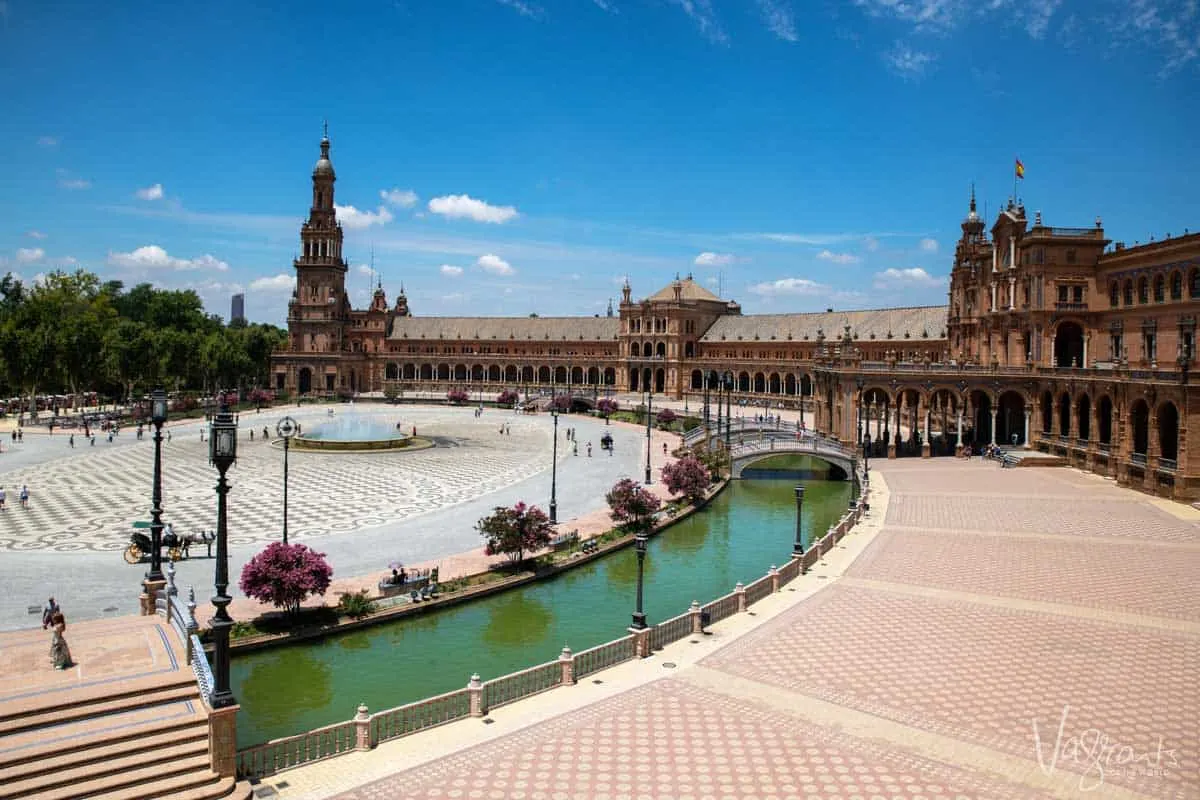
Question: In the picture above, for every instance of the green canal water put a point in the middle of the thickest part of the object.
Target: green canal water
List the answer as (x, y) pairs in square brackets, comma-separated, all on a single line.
[(747, 528)]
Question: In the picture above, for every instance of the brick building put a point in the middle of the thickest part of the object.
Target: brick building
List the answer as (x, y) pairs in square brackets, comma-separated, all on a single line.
[(1053, 338)]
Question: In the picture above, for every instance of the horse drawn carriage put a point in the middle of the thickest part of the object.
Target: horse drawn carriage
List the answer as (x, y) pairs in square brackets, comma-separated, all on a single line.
[(178, 547)]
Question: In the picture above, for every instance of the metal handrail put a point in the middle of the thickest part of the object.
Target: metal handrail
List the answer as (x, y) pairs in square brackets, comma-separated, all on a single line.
[(202, 670)]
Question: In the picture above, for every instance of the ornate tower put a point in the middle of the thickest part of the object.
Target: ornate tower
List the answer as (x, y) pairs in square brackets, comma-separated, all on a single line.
[(320, 309)]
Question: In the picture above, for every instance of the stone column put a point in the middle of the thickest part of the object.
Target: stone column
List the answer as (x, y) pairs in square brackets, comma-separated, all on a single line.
[(739, 592), (566, 661), (694, 611), (222, 740), (362, 728), (774, 573), (475, 692), (926, 448), (1150, 482), (995, 415), (1086, 338), (958, 444), (1028, 444), (641, 642)]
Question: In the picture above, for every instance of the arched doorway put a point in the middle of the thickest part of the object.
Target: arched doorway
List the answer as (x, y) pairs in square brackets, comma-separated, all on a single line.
[(660, 380), (1168, 432), (543, 375), (743, 384), (1068, 345), (697, 379), (1139, 421), (789, 384), (981, 432), (1083, 417), (391, 372), (443, 372), (760, 383), (1105, 420), (943, 423), (305, 380), (1064, 414), (426, 372), (1010, 422), (1047, 409)]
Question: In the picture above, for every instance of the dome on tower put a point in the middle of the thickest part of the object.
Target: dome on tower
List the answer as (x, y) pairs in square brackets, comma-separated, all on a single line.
[(324, 167)]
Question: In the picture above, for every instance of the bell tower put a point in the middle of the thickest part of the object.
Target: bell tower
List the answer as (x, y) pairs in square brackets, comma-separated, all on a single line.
[(320, 310)]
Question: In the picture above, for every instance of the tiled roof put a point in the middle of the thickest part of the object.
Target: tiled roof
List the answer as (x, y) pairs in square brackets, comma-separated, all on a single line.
[(689, 290), (916, 322), (588, 329)]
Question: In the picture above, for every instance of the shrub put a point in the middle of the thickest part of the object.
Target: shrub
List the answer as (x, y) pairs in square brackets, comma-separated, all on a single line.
[(356, 605), (665, 417), (507, 398), (607, 406), (632, 506), (284, 575), (513, 531), (456, 396), (561, 403), (688, 477)]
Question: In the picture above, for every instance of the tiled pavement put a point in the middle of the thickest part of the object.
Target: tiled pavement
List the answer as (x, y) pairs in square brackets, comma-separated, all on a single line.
[(1005, 633)]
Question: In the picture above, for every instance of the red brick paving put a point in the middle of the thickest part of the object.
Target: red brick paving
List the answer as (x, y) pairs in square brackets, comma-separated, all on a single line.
[(670, 739)]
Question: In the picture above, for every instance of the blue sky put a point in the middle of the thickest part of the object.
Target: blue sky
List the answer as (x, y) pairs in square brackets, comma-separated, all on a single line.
[(516, 156)]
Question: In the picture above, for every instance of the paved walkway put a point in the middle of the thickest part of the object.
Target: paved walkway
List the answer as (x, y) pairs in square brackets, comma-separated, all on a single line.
[(985, 633), (362, 510)]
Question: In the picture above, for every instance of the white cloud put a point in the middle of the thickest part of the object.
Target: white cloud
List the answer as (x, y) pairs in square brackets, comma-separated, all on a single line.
[(68, 181), (154, 192), (36, 235), (922, 14), (28, 255), (276, 284), (905, 278), (621, 280), (801, 287), (818, 239), (779, 19), (450, 271), (712, 280), (154, 257), (47, 141), (364, 269), (355, 220), (605, 5), (400, 198), (521, 7), (494, 264), (907, 62), (701, 12), (708, 259), (837, 258), (928, 245), (461, 206), (1038, 17)]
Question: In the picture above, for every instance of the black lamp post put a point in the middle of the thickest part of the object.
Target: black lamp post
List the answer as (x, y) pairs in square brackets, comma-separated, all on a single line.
[(859, 383), (286, 429), (728, 408), (649, 401), (798, 545), (639, 616), (158, 416), (554, 468), (222, 453), (866, 446)]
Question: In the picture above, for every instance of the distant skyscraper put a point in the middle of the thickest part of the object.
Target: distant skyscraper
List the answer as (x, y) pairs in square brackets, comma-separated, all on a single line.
[(238, 312)]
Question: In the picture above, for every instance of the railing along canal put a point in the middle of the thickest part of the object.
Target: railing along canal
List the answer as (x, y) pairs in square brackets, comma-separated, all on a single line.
[(367, 730), (182, 618)]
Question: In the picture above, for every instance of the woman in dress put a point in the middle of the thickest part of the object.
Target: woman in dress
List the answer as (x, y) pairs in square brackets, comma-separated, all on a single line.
[(60, 654)]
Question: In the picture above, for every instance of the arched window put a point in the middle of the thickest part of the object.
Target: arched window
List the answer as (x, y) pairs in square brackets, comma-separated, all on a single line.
[(1176, 285), (1143, 290), (1114, 295), (1160, 288), (1128, 292), (1194, 284)]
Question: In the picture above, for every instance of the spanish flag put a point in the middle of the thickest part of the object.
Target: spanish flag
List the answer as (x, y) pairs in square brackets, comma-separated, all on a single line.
[(1020, 170)]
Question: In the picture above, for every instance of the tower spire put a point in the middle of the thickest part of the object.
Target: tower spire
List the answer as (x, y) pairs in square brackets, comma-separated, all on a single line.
[(972, 197)]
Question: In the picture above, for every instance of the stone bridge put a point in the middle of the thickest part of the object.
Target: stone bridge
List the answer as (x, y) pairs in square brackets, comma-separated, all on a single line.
[(747, 453)]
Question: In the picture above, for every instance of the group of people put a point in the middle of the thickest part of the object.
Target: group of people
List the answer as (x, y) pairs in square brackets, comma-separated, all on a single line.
[(53, 619), (24, 497)]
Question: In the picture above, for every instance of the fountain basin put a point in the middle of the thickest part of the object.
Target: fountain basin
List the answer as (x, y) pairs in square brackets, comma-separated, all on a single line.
[(399, 442)]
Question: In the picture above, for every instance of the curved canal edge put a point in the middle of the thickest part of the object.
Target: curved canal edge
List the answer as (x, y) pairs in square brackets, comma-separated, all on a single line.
[(249, 644)]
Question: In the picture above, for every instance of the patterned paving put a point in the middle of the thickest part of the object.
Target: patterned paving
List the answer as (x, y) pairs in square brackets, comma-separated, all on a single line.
[(90, 500), (983, 674), (670, 739), (1091, 573)]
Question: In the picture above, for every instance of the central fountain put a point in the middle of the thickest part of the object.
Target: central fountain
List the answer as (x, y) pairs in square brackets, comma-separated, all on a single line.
[(352, 431)]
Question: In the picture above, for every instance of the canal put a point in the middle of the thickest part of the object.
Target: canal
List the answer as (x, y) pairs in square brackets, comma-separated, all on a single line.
[(748, 527)]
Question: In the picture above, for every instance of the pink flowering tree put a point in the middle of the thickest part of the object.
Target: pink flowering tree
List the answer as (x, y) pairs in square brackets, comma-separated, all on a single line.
[(666, 417), (687, 477), (631, 506), (607, 406), (513, 532), (284, 575), (456, 396), (561, 403), (507, 398)]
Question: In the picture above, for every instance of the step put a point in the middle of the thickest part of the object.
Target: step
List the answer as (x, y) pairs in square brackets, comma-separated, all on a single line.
[(13, 710), (150, 781), (31, 761), (60, 714), (70, 773), (204, 785), (102, 744)]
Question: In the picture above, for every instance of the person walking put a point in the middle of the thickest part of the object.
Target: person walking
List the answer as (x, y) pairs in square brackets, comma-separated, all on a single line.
[(3, 497), (24, 496), (72, 440), (60, 654), (48, 612)]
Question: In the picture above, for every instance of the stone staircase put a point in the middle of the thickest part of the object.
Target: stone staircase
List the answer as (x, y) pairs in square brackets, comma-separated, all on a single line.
[(136, 739)]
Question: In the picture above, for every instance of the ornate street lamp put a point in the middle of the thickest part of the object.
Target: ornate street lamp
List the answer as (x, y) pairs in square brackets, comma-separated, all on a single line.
[(728, 408), (158, 416), (649, 401), (859, 382), (866, 452), (639, 616), (798, 545), (222, 453), (286, 428), (554, 468)]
